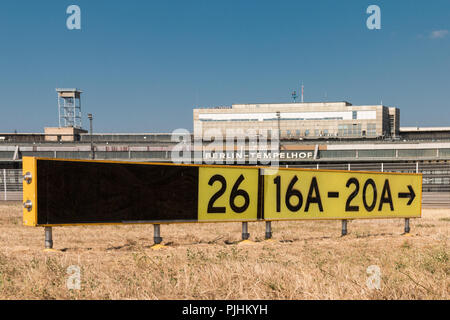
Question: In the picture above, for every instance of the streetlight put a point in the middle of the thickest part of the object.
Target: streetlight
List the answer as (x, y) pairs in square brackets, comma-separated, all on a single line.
[(92, 143), (279, 131), (278, 120)]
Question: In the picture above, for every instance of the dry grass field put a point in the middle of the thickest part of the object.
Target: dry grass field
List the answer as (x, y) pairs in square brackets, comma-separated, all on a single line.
[(306, 260)]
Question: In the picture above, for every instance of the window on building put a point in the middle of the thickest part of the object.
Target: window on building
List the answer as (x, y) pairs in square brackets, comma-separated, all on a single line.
[(356, 129), (371, 129), (288, 132), (325, 132), (340, 130), (316, 132), (297, 132), (392, 124), (354, 115), (306, 132)]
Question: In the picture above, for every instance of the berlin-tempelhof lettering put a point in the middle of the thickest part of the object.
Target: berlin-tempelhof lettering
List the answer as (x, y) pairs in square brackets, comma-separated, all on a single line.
[(267, 155)]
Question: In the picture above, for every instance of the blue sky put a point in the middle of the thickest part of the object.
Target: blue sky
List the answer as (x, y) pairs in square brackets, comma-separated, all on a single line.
[(144, 65)]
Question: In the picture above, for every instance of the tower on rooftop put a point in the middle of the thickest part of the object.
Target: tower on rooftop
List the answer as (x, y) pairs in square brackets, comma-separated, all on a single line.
[(69, 107)]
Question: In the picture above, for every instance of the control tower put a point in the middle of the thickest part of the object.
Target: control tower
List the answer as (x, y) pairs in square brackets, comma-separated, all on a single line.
[(69, 107), (69, 112)]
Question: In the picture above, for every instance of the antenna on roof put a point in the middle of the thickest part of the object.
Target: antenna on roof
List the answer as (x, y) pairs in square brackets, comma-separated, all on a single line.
[(294, 96), (302, 91)]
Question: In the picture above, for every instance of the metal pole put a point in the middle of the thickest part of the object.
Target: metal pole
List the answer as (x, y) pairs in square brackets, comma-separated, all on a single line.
[(245, 234), (344, 227), (279, 132), (278, 118), (48, 238), (268, 230), (156, 234), (407, 228), (92, 142)]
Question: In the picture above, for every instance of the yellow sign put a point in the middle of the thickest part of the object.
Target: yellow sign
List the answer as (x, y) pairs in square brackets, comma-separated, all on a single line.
[(291, 194), (227, 194), (201, 193)]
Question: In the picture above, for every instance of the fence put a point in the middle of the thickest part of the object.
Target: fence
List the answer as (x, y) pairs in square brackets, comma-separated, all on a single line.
[(11, 184), (436, 178)]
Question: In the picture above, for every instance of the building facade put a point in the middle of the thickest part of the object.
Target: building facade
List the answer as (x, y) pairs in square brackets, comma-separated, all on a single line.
[(301, 120)]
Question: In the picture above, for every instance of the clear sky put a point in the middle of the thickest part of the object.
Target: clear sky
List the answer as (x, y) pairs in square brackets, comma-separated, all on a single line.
[(144, 65)]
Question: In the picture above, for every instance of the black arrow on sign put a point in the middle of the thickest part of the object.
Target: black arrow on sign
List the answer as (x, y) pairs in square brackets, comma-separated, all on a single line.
[(411, 195)]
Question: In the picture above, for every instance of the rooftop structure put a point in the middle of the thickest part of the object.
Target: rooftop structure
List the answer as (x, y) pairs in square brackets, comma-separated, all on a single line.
[(69, 107)]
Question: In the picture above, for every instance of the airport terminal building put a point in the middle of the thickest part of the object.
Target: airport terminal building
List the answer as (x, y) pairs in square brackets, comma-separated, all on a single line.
[(302, 120)]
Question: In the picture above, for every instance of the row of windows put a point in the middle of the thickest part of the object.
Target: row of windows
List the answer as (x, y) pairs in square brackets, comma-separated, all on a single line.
[(343, 131), (349, 130), (298, 133)]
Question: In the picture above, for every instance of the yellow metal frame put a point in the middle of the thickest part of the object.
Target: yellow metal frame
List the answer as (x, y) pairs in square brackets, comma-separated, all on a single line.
[(29, 164), (30, 191)]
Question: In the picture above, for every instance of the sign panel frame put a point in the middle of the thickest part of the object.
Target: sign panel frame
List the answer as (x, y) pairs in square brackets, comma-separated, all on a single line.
[(368, 185), (228, 193), (31, 216)]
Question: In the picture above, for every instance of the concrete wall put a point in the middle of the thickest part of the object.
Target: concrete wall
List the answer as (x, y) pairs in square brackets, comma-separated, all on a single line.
[(63, 134)]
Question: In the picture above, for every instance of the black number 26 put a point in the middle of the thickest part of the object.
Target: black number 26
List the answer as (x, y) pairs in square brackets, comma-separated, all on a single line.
[(235, 192)]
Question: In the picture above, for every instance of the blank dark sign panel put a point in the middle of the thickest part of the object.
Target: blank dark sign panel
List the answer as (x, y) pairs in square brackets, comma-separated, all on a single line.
[(77, 192)]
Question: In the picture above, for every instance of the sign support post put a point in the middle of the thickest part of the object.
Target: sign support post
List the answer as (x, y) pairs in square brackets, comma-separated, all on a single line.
[(48, 238), (407, 228), (268, 230), (245, 234), (156, 234), (344, 228)]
